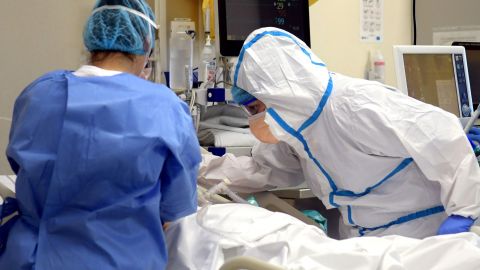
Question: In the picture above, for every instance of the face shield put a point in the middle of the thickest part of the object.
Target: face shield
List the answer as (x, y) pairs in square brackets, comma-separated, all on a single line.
[(253, 107), (147, 67)]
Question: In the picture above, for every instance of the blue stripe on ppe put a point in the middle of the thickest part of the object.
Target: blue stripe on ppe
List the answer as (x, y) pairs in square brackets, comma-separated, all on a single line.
[(310, 121), (331, 199), (320, 107), (350, 219), (348, 193), (300, 137), (260, 36), (404, 219), (250, 101)]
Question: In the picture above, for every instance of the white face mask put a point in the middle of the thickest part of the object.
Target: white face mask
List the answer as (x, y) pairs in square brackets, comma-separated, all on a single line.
[(260, 129)]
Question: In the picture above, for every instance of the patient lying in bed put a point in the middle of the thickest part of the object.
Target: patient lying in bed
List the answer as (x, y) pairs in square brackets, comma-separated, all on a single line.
[(218, 233)]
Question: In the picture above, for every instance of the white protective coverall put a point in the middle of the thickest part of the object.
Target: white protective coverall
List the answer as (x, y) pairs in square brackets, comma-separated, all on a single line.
[(390, 163), (217, 233)]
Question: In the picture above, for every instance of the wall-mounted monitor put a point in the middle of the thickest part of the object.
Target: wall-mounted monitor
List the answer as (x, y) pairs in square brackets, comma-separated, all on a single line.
[(236, 19)]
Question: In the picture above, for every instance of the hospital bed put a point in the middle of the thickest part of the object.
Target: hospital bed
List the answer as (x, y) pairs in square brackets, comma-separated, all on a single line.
[(239, 236), (370, 253), (267, 199), (285, 236)]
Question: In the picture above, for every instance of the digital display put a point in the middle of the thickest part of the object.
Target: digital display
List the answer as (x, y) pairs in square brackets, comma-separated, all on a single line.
[(245, 16), (473, 60), (431, 79)]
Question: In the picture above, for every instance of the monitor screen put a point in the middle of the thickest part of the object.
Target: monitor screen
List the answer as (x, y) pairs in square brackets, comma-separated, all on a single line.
[(431, 79), (238, 18), (435, 75), (245, 16), (473, 60)]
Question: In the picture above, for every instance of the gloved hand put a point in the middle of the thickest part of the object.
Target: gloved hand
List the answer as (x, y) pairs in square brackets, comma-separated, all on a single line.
[(455, 224), (474, 134), (207, 157), (474, 138)]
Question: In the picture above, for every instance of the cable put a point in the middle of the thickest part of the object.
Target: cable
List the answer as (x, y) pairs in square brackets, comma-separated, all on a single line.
[(472, 120), (414, 23), (192, 101)]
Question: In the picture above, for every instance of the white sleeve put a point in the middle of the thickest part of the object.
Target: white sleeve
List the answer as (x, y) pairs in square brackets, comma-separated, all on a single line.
[(271, 166), (432, 137)]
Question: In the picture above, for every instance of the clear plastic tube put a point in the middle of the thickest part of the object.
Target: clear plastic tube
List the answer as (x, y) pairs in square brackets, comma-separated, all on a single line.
[(472, 120), (222, 188)]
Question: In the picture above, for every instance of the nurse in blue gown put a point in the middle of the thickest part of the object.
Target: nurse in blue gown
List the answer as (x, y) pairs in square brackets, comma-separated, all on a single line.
[(103, 157)]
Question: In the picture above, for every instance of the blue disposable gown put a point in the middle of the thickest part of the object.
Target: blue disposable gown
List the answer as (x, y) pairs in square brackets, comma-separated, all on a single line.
[(101, 163)]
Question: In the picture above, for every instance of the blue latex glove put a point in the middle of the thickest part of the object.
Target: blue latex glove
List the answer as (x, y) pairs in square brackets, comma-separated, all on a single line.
[(474, 138), (474, 135), (455, 224)]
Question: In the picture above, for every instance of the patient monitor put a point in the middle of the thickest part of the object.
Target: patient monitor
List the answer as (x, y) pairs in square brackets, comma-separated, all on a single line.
[(437, 75), (238, 18)]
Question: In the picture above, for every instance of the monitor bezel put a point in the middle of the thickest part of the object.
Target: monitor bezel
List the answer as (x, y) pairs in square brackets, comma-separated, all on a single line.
[(469, 45), (400, 50), (232, 48)]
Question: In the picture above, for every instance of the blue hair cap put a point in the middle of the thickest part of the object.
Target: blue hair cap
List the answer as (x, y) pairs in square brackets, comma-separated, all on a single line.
[(241, 96), (118, 29)]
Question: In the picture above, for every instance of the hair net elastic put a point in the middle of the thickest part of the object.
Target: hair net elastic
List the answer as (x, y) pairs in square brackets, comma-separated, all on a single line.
[(120, 25), (241, 96)]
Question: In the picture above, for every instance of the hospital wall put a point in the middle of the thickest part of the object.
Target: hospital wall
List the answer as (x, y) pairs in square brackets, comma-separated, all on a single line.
[(37, 36), (43, 35), (335, 34)]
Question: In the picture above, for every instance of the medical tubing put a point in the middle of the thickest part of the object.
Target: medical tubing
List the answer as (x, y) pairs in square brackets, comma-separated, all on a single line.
[(202, 201), (472, 120), (222, 188), (206, 198)]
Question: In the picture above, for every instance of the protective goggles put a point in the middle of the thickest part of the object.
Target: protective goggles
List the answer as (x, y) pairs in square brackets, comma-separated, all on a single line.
[(253, 107)]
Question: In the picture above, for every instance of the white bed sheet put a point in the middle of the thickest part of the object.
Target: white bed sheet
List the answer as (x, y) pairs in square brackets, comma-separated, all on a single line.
[(7, 186), (218, 233)]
